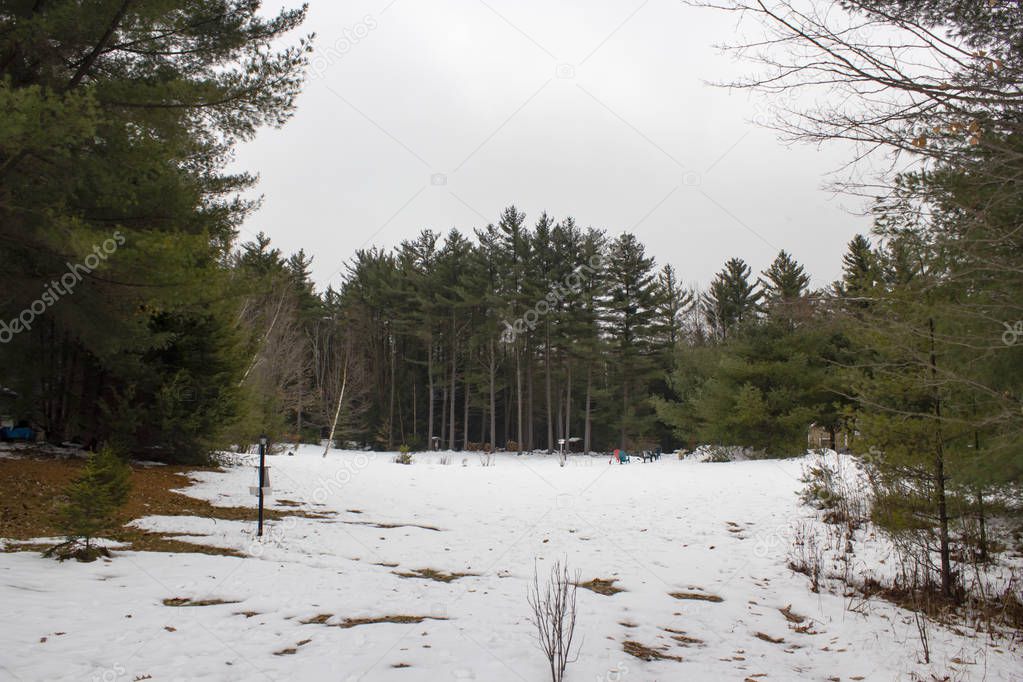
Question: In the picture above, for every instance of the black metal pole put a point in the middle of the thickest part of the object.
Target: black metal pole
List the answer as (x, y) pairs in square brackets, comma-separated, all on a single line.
[(262, 465)]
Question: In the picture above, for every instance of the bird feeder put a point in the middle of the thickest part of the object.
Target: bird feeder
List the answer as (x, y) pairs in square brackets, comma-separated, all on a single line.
[(254, 488)]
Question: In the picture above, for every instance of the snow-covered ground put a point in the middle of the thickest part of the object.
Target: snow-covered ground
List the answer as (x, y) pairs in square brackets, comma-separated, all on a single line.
[(657, 528)]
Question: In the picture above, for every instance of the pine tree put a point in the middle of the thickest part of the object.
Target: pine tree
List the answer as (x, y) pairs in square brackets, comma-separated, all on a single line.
[(93, 499), (784, 281), (676, 302), (859, 273), (515, 250), (589, 342), (631, 306), (784, 285), (732, 299)]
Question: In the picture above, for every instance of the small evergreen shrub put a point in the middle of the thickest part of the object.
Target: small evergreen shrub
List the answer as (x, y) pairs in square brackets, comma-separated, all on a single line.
[(820, 486), (93, 500), (403, 456)]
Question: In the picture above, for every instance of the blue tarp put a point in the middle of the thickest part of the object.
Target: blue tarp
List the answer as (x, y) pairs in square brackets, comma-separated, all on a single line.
[(17, 433)]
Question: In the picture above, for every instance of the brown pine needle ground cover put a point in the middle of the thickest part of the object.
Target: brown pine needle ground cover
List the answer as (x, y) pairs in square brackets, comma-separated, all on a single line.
[(33, 490)]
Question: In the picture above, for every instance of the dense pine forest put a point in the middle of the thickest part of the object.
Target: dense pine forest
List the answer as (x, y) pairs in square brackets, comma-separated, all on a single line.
[(523, 337)]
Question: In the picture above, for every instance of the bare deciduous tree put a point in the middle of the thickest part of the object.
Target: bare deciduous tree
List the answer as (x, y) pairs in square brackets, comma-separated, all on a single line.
[(554, 615)]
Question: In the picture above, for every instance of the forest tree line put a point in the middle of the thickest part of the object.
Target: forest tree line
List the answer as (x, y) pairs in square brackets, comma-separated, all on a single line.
[(528, 337)]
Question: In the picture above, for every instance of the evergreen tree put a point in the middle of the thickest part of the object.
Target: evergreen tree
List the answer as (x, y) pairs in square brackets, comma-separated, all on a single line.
[(676, 302), (119, 121), (632, 303), (732, 299), (761, 389), (784, 285), (784, 281), (93, 499)]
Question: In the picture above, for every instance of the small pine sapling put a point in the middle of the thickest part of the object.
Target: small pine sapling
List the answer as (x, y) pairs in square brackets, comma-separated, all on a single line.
[(404, 455), (93, 499)]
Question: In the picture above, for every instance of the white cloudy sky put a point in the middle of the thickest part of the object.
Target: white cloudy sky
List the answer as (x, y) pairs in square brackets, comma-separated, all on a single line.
[(596, 109)]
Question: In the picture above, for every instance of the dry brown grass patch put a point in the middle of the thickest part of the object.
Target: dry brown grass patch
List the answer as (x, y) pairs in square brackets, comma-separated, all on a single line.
[(186, 601), (645, 653), (699, 596), (791, 616), (682, 638), (401, 620), (432, 574), (319, 619), (602, 586), (377, 524)]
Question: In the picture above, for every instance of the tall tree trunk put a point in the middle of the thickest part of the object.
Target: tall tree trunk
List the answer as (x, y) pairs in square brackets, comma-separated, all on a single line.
[(547, 387), (443, 417), (298, 417), (982, 553), (390, 409), (939, 478), (454, 376), (518, 400), (493, 397), (530, 410), (465, 409), (625, 411), (568, 406), (337, 412), (589, 393), (559, 416), (430, 408), (483, 428), (507, 415)]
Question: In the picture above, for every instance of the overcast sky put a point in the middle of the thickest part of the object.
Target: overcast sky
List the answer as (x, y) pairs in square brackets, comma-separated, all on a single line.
[(438, 115)]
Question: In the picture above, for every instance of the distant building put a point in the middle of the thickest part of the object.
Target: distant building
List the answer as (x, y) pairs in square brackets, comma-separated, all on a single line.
[(818, 437)]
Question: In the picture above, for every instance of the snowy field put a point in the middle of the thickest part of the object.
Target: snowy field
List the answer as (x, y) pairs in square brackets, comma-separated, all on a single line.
[(718, 531)]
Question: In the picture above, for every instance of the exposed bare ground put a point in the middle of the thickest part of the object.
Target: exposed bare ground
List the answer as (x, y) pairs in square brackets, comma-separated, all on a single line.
[(643, 652), (768, 638), (185, 601), (791, 616), (682, 638), (602, 586), (376, 524), (432, 574), (324, 619), (33, 490), (699, 596)]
